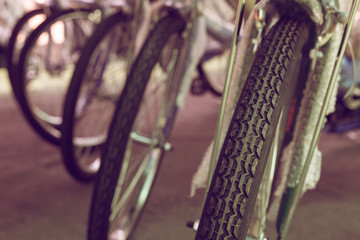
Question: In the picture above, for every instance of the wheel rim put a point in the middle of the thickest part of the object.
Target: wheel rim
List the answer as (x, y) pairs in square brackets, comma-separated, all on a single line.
[(48, 69)]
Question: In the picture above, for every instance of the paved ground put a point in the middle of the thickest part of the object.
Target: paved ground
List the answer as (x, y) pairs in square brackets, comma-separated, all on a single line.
[(39, 201)]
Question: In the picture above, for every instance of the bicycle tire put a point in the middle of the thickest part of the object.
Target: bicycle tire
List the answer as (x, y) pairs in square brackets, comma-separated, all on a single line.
[(234, 187), (45, 124), (81, 149), (113, 167), (13, 50)]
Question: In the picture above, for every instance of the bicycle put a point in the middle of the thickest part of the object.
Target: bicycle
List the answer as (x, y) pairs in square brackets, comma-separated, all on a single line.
[(292, 131), (155, 88), (97, 83), (46, 60), (94, 88), (303, 37)]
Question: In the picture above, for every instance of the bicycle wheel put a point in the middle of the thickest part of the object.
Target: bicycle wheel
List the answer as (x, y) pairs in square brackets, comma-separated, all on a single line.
[(98, 80), (20, 33), (137, 136), (45, 67), (266, 94)]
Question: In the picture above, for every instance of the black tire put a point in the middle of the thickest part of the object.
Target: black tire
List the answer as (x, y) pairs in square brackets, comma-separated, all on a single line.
[(15, 46), (44, 110), (98, 80), (127, 118), (268, 91)]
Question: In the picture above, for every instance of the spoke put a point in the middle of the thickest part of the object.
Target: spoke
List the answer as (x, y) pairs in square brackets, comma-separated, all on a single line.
[(88, 128), (128, 191), (149, 168), (145, 107), (153, 96), (137, 162), (143, 140), (126, 171)]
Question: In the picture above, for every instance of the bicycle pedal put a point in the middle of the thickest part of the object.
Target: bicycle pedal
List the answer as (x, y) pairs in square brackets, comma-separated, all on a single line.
[(193, 225)]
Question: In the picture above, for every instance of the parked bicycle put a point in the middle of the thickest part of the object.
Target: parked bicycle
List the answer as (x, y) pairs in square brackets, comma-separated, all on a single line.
[(155, 88), (292, 51), (96, 84), (41, 59), (99, 79), (277, 119)]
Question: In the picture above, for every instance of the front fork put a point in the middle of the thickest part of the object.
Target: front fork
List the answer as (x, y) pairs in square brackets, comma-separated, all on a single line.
[(322, 79)]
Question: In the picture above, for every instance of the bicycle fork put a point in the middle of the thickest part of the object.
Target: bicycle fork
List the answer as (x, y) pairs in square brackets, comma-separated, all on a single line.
[(321, 79)]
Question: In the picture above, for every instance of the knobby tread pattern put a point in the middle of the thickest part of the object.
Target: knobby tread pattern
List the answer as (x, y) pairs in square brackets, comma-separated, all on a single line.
[(233, 191), (122, 122)]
